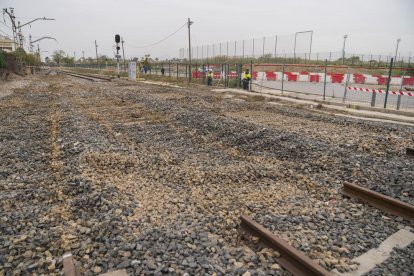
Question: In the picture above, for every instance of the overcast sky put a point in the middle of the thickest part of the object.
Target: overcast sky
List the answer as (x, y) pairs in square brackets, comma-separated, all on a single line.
[(372, 26)]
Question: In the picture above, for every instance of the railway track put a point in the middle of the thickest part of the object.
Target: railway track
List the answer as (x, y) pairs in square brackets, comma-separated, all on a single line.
[(84, 76), (258, 237), (380, 201)]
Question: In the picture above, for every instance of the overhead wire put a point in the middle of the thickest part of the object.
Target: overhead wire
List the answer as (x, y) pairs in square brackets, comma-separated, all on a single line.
[(5, 33), (160, 41)]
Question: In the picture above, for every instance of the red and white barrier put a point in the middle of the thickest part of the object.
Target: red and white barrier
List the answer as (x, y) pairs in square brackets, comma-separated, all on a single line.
[(402, 93), (336, 78)]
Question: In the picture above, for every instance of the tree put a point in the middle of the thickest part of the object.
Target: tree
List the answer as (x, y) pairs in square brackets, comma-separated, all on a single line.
[(103, 58), (58, 56), (2, 60), (68, 60)]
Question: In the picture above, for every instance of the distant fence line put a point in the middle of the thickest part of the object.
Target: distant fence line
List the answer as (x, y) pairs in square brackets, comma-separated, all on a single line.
[(284, 49)]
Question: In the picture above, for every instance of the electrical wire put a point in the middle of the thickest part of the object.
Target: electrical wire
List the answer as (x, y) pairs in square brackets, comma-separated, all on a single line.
[(5, 25), (5, 33), (158, 42)]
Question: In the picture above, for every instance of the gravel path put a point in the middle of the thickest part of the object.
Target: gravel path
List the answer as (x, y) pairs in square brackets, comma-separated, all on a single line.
[(153, 179)]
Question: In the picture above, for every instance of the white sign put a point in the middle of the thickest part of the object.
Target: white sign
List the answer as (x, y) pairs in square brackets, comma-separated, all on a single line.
[(132, 70)]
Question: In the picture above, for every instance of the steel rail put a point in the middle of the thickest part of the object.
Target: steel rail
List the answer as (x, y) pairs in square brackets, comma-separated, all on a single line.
[(380, 201), (409, 152), (291, 259), (83, 76)]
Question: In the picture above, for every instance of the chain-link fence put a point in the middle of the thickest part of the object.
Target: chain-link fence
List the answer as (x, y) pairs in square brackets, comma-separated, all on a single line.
[(339, 84), (292, 49)]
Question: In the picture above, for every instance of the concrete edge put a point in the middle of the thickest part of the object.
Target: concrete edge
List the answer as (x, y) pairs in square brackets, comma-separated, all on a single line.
[(375, 256)]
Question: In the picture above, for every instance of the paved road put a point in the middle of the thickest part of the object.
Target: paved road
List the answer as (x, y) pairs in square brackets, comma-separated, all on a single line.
[(335, 92)]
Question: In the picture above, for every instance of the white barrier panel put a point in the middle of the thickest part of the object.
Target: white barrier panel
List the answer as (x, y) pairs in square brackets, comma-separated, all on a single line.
[(132, 70)]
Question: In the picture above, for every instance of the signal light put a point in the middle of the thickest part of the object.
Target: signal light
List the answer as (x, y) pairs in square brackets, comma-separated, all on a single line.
[(117, 38)]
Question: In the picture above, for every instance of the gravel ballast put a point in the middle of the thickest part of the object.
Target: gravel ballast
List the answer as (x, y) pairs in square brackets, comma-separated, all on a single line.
[(153, 179)]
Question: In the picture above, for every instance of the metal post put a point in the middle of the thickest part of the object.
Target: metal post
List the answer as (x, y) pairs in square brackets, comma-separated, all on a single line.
[(227, 53), (169, 68), (346, 86), (251, 79), (253, 49), (243, 51), (220, 49), (399, 95), (283, 75), (96, 49), (225, 74), (396, 49), (324, 80), (177, 70), (330, 54), (235, 48), (388, 83), (189, 50), (343, 50), (373, 99), (264, 40), (275, 47), (123, 52), (294, 49), (310, 45)]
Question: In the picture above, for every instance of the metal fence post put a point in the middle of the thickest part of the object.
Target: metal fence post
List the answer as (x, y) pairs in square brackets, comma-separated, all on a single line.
[(251, 79), (399, 95), (324, 80), (238, 75), (373, 98), (283, 75), (346, 86), (388, 83), (177, 70)]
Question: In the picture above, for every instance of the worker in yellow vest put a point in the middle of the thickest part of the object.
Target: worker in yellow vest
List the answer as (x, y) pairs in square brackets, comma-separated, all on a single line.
[(246, 77), (210, 77)]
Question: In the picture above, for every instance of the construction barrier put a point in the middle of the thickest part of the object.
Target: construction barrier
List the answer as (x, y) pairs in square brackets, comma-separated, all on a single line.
[(402, 93)]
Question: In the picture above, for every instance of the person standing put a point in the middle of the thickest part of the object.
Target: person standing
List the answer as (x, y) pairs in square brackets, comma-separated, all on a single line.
[(210, 77), (246, 79)]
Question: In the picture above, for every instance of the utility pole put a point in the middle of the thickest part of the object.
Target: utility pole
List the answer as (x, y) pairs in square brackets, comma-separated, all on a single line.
[(96, 50), (38, 53), (396, 49), (83, 54), (14, 29), (343, 50), (189, 49), (123, 52), (20, 35), (30, 44)]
